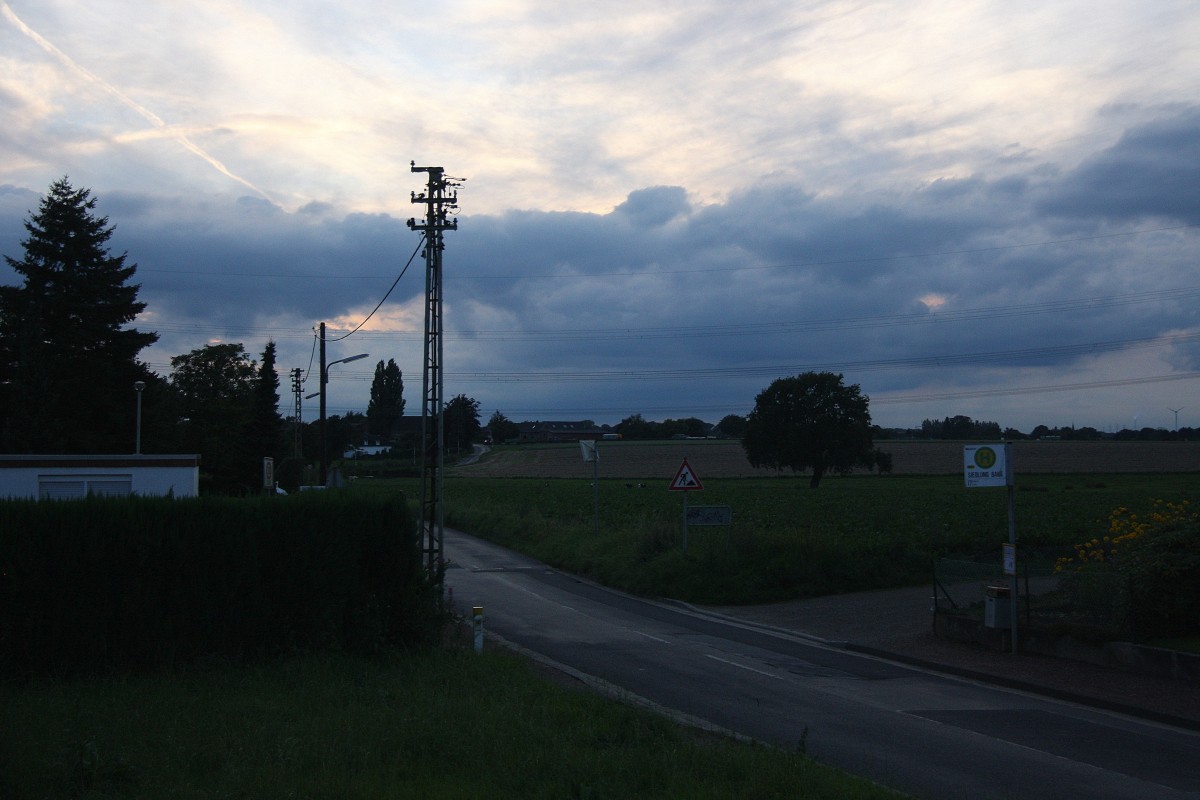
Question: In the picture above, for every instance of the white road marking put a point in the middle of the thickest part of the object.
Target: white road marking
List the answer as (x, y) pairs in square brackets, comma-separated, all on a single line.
[(743, 666)]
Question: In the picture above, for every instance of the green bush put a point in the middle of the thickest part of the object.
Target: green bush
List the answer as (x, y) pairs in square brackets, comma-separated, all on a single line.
[(1143, 577), (1162, 573), (129, 584)]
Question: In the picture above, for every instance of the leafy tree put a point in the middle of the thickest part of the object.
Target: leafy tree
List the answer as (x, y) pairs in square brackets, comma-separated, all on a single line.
[(635, 427), (671, 428), (503, 429), (732, 425), (812, 421), (217, 385), (386, 406), (959, 427), (460, 422), (68, 360)]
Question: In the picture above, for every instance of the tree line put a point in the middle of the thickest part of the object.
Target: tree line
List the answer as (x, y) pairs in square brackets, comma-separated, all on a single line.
[(69, 365), (72, 380)]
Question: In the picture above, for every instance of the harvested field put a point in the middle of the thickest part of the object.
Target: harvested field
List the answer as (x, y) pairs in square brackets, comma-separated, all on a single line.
[(658, 461)]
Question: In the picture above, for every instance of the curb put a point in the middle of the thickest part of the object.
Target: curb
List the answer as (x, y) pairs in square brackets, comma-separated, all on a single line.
[(962, 672)]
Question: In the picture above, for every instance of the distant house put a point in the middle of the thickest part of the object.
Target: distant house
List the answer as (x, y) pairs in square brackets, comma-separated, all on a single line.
[(66, 477), (560, 431)]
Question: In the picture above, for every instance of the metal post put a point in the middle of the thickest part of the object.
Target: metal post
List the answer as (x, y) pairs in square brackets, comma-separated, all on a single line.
[(324, 380), (439, 202), (138, 386), (685, 527), (298, 391), (1012, 540)]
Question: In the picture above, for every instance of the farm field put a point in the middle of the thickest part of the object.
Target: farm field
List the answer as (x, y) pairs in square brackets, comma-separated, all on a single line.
[(785, 540), (726, 459)]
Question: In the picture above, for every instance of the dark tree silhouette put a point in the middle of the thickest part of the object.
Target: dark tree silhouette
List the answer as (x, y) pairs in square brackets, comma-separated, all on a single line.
[(68, 358), (812, 421)]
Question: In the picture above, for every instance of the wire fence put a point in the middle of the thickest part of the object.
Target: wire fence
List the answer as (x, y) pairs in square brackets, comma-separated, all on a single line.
[(978, 588)]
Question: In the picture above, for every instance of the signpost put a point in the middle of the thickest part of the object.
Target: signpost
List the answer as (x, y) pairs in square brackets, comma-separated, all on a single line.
[(709, 515), (592, 453), (685, 481), (987, 465)]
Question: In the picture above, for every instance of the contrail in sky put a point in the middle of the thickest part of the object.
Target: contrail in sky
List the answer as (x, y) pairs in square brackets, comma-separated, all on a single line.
[(149, 115)]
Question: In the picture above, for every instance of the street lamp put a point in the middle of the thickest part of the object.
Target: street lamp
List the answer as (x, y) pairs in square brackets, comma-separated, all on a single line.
[(325, 380), (138, 386)]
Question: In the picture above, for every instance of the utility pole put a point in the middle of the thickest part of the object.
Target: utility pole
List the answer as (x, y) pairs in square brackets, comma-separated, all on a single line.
[(298, 391), (324, 451), (440, 199)]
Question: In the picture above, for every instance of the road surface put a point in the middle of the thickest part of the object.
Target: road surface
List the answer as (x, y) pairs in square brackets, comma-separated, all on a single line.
[(934, 736)]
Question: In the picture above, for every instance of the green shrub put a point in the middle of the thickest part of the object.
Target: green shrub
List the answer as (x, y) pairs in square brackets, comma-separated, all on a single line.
[(128, 584), (1143, 576)]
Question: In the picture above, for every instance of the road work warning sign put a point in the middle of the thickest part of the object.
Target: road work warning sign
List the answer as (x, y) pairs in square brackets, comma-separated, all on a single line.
[(685, 479)]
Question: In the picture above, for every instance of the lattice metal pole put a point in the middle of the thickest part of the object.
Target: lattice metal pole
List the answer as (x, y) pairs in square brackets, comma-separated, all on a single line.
[(298, 391), (440, 200)]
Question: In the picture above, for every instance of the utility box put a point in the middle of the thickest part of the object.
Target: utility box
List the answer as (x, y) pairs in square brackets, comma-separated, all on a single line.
[(996, 607)]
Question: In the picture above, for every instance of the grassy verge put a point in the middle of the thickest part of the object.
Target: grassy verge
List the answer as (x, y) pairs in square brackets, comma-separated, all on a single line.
[(444, 725), (786, 541)]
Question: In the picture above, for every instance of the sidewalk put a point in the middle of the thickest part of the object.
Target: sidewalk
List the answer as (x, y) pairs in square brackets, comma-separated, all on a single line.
[(897, 624)]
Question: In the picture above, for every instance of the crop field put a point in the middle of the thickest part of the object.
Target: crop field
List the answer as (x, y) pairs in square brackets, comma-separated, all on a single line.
[(726, 459), (786, 540)]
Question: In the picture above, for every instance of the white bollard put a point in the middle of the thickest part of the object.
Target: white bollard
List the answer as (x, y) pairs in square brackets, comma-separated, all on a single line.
[(477, 620)]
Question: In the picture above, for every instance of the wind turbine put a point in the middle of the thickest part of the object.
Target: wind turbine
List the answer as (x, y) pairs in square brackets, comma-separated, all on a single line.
[(1177, 410)]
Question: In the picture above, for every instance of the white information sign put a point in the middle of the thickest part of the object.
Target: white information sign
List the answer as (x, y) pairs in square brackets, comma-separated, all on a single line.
[(984, 465), (587, 447), (1008, 554)]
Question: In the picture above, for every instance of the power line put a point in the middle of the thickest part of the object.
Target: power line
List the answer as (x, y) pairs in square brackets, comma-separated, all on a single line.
[(781, 327), (1031, 354), (877, 398), (385, 297), (314, 276), (1022, 390)]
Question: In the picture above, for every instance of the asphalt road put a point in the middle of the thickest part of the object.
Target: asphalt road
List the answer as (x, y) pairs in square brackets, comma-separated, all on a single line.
[(934, 736)]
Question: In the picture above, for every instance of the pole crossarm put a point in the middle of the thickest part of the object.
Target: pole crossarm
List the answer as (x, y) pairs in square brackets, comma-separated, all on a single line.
[(440, 199)]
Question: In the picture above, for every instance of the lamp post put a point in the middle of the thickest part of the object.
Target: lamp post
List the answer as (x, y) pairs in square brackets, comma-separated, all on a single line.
[(324, 380), (138, 386)]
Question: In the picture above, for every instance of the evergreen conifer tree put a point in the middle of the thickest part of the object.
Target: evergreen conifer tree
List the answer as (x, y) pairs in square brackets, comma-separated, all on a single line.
[(68, 358), (264, 434)]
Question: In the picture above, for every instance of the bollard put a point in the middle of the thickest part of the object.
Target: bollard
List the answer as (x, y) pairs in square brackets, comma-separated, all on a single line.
[(477, 619)]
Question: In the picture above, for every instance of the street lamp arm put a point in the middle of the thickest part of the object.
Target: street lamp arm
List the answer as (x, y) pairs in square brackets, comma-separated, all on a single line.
[(325, 372)]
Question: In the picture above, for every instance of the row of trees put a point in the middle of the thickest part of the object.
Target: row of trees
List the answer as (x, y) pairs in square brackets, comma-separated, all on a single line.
[(69, 360)]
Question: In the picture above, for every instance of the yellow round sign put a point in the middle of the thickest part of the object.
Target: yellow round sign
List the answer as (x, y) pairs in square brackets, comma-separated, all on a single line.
[(985, 457)]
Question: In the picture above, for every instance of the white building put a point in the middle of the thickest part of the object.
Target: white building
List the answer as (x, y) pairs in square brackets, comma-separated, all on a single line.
[(65, 477)]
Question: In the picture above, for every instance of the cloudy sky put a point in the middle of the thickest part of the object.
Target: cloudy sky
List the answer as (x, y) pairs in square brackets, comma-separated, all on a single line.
[(964, 206)]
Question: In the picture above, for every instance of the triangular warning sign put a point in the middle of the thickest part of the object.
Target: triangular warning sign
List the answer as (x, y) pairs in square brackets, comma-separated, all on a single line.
[(685, 480)]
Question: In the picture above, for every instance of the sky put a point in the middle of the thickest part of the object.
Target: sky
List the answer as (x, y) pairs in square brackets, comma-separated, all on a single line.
[(965, 207)]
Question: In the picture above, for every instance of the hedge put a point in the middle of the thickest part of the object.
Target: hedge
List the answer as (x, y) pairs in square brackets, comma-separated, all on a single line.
[(102, 585)]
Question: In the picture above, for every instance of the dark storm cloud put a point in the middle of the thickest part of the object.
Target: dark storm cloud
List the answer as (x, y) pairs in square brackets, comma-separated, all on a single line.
[(958, 280), (238, 261), (1152, 171)]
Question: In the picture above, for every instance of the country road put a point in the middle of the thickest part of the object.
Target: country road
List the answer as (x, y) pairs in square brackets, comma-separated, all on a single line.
[(934, 736)]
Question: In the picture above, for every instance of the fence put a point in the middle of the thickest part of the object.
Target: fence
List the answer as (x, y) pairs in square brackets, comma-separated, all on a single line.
[(1080, 602)]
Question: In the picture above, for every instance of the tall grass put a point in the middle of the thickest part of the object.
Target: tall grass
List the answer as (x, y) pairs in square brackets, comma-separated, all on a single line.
[(436, 725), (786, 540)]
